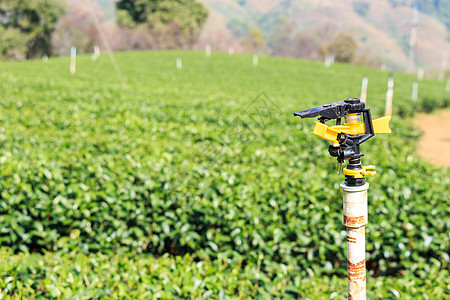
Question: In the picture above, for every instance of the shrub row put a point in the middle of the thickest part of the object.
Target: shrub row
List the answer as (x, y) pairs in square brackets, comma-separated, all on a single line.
[(98, 276), (140, 170)]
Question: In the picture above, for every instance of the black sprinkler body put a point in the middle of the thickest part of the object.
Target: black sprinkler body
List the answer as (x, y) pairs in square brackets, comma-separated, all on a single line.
[(347, 138)]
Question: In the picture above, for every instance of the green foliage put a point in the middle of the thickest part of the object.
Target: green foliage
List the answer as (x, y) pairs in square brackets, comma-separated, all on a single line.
[(98, 276), (13, 44), (183, 17), (124, 18), (430, 104), (254, 40), (26, 27), (426, 104), (191, 162), (343, 47), (238, 27), (361, 8)]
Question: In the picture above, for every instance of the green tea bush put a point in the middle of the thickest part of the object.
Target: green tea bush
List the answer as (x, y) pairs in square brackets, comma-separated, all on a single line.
[(199, 162), (430, 104), (98, 276)]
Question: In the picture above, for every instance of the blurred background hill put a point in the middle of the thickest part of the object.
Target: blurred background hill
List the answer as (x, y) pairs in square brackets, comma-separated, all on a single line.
[(300, 28), (373, 32)]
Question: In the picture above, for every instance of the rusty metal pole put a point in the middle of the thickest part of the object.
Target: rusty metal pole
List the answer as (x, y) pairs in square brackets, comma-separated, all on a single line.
[(355, 220)]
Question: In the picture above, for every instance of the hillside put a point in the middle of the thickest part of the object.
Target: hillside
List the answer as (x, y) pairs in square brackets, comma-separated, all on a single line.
[(381, 27)]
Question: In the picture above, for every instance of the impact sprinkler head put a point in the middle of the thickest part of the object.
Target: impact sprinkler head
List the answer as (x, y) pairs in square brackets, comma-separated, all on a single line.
[(347, 138)]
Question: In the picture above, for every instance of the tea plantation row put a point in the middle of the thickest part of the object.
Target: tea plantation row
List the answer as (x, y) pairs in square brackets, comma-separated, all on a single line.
[(98, 276), (206, 165)]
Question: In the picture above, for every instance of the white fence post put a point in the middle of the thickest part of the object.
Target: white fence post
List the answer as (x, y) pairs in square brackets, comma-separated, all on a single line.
[(415, 91), (364, 84), (208, 50), (389, 96), (419, 73), (255, 60), (73, 60)]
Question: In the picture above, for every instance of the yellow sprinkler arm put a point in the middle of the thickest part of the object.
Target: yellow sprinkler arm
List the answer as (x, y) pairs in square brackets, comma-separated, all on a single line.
[(330, 133), (381, 125)]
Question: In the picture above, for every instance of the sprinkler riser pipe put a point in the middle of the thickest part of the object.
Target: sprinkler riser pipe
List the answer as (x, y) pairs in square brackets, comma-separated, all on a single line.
[(355, 205), (355, 219)]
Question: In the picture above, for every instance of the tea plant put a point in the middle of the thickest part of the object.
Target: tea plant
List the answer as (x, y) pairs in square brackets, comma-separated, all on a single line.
[(206, 166)]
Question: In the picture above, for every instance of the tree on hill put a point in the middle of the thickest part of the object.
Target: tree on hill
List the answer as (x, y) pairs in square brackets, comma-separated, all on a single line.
[(26, 27), (343, 47), (178, 19), (254, 41)]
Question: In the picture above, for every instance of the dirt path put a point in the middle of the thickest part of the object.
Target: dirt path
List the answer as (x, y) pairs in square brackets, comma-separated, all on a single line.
[(435, 143)]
